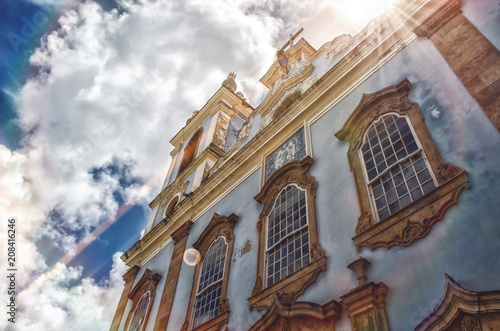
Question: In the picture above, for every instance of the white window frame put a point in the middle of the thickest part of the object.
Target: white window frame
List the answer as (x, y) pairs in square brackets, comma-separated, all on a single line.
[(195, 301), (267, 249), (368, 182)]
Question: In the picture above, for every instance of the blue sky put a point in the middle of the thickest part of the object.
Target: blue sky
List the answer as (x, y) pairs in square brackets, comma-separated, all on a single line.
[(91, 92)]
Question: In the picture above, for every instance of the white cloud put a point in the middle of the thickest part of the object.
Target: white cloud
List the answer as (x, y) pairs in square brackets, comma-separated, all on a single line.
[(53, 303)]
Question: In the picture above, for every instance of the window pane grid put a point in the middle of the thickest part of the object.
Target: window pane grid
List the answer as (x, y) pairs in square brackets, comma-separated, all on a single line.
[(207, 304), (210, 285), (288, 215), (405, 183), (140, 313), (387, 142), (287, 235), (213, 265), (396, 170)]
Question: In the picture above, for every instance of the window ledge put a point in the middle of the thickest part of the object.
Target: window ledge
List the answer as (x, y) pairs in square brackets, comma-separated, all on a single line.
[(412, 222), (289, 288)]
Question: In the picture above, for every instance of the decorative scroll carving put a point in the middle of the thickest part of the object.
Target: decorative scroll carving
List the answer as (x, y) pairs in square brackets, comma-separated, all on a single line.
[(258, 285), (412, 232), (316, 252), (446, 172), (280, 316), (470, 323), (441, 16), (223, 306), (365, 222), (337, 45)]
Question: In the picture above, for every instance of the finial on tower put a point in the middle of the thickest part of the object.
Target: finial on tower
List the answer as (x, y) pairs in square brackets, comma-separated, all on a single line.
[(230, 82)]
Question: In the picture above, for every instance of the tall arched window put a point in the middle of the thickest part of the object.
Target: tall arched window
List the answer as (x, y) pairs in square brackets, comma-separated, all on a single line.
[(209, 290), (287, 248), (140, 313), (290, 257), (395, 166), (208, 305), (190, 150)]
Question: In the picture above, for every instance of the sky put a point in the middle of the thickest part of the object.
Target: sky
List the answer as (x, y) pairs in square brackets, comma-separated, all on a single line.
[(91, 92)]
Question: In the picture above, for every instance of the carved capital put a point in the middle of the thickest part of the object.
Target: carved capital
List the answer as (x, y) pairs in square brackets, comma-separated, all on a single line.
[(182, 231), (131, 273), (438, 18)]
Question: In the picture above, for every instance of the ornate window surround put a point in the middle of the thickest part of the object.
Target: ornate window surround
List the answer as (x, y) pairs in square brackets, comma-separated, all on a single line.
[(414, 221), (289, 288), (147, 283), (219, 226)]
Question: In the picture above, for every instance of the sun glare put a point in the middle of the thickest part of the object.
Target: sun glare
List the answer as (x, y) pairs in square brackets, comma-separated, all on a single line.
[(361, 12)]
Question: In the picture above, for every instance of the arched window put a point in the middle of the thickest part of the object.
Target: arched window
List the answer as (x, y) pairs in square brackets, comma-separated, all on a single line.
[(140, 313), (190, 150), (395, 166), (208, 304), (287, 247), (209, 290), (290, 257)]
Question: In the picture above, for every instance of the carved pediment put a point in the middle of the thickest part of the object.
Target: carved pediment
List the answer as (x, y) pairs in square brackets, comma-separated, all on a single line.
[(461, 309), (292, 84)]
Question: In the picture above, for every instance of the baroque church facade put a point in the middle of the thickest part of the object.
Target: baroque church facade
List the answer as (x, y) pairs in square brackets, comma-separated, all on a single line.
[(360, 194)]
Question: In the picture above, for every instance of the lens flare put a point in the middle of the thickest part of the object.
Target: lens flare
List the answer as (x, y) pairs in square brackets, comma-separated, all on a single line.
[(191, 257), (360, 12)]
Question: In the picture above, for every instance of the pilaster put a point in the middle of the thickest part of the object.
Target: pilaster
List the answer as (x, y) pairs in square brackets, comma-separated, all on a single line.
[(167, 298), (129, 278), (472, 57)]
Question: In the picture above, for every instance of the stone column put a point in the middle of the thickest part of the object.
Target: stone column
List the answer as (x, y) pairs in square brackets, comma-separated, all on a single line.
[(129, 278), (365, 304), (167, 298), (472, 57)]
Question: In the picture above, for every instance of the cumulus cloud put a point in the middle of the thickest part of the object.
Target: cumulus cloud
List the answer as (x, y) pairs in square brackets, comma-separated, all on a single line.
[(53, 302)]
